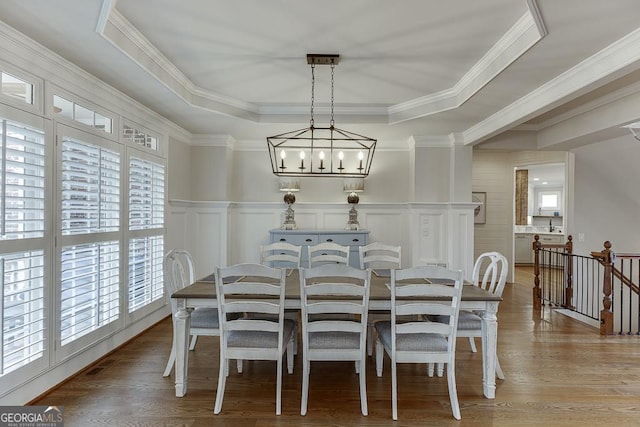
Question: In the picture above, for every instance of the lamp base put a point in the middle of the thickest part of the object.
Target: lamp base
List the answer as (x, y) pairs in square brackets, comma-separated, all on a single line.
[(353, 224), (289, 220)]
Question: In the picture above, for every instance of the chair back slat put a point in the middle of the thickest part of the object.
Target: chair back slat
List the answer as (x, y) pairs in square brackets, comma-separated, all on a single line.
[(284, 254), (328, 253), (379, 255)]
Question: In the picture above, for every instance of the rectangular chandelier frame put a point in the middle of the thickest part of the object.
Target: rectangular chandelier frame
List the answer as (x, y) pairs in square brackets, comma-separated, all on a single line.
[(326, 151)]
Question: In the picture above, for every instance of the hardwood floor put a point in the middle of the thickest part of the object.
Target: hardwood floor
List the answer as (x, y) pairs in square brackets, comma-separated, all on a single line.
[(559, 372)]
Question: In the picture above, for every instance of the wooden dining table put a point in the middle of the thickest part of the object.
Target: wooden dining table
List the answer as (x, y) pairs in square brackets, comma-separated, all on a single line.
[(202, 293)]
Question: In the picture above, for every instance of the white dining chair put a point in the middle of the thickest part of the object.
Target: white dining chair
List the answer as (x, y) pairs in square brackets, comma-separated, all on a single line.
[(334, 301), (258, 289), (489, 273), (378, 257), (281, 254), (178, 273), (328, 253), (415, 293)]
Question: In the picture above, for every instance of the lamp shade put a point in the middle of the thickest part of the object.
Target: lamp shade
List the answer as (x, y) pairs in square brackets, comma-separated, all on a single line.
[(353, 185), (289, 184)]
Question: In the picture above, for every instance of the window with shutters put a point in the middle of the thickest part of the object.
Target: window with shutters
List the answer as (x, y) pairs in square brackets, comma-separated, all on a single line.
[(22, 227), (90, 234), (146, 222), (90, 188), (90, 294)]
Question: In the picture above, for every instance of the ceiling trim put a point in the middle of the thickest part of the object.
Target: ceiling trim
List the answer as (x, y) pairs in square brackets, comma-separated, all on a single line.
[(621, 57), (524, 34), (118, 31)]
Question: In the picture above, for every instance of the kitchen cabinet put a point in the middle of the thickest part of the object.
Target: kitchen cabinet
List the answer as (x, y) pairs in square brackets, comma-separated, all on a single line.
[(523, 243), (523, 248), (547, 239)]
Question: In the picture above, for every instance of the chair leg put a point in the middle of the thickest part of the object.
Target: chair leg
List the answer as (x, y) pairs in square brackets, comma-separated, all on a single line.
[(279, 387), (472, 343), (430, 366), (290, 352), (370, 338), (194, 339), (239, 365), (394, 390), (440, 370), (363, 386), (171, 361), (305, 385), (379, 358), (499, 372), (222, 379), (453, 392)]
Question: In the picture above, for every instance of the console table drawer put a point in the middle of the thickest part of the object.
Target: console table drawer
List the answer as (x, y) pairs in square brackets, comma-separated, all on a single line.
[(295, 239), (344, 239)]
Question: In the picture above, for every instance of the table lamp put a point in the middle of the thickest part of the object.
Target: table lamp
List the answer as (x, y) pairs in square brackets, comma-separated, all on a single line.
[(289, 186), (353, 186)]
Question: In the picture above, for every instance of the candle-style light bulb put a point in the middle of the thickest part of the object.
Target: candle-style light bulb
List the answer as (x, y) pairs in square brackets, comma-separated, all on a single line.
[(340, 157), (283, 154), (321, 156), (301, 160), (360, 157)]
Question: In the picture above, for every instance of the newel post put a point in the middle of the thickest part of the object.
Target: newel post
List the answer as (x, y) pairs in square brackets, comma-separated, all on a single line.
[(606, 315), (537, 292), (568, 292)]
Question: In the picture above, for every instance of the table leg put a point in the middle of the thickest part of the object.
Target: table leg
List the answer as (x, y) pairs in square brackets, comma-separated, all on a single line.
[(182, 325), (489, 349)]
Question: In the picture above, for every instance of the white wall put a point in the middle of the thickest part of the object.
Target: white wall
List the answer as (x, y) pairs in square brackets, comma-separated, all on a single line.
[(606, 197), (179, 181)]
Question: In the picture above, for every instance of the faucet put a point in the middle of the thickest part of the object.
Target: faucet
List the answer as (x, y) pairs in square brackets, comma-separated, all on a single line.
[(551, 227)]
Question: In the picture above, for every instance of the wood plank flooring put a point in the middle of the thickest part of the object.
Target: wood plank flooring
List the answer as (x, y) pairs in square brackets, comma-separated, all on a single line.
[(559, 372)]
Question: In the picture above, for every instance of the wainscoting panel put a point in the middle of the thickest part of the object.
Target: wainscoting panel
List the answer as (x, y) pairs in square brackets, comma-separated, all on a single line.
[(430, 246), (223, 233), (387, 227)]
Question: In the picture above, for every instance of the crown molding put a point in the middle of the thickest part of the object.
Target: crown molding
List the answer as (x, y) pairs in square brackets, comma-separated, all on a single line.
[(118, 31), (620, 57), (524, 34)]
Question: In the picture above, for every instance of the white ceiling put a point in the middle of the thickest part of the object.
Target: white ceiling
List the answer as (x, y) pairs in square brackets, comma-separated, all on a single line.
[(415, 68)]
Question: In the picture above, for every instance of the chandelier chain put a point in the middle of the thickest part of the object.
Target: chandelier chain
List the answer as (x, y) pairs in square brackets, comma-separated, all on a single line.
[(332, 69), (313, 85)]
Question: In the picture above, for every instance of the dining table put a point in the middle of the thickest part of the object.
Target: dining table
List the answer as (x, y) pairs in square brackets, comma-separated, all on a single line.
[(202, 293)]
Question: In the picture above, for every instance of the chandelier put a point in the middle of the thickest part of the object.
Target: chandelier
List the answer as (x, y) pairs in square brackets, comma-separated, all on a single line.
[(321, 151)]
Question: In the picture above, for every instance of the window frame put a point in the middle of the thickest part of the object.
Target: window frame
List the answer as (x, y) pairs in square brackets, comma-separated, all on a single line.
[(38, 90)]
